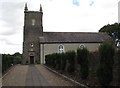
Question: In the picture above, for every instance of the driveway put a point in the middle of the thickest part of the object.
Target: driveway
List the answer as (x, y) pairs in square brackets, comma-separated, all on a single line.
[(33, 75)]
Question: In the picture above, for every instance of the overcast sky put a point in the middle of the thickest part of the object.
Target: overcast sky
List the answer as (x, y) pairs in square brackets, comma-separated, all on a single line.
[(58, 15)]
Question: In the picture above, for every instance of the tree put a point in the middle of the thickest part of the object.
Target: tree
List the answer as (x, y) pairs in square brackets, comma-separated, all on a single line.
[(113, 30), (9, 60), (105, 69), (70, 56), (82, 58), (17, 58), (63, 61)]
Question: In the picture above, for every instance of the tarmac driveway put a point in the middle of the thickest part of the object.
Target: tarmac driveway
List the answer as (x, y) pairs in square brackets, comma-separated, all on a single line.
[(33, 75)]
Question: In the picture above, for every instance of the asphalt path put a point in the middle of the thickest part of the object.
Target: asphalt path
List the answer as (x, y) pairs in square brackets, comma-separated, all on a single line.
[(33, 75)]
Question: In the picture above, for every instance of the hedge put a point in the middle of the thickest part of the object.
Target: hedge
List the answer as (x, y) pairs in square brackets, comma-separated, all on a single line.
[(82, 59), (105, 69)]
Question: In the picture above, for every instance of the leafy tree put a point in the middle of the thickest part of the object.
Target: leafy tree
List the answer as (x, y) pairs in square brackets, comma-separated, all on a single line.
[(17, 58), (113, 30)]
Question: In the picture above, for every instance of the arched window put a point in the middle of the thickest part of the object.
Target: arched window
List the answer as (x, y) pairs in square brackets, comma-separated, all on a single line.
[(61, 48), (82, 46), (33, 22), (31, 45)]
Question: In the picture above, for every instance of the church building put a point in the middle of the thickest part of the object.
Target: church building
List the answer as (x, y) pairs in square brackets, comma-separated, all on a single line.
[(37, 43)]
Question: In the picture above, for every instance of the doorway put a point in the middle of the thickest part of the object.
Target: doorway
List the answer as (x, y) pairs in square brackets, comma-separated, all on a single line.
[(31, 59)]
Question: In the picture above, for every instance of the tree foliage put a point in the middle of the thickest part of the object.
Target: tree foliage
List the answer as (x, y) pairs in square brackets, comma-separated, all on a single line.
[(9, 60), (71, 60), (113, 30), (59, 60), (82, 58), (105, 69)]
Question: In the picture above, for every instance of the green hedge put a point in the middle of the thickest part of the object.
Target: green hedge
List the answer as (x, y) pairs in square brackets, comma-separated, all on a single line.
[(82, 58), (54, 60), (70, 56), (66, 61), (102, 62), (59, 60), (105, 69), (63, 61), (9, 60)]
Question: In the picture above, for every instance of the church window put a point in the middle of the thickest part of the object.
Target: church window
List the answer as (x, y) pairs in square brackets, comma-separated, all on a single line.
[(61, 48), (31, 45), (33, 22), (82, 46)]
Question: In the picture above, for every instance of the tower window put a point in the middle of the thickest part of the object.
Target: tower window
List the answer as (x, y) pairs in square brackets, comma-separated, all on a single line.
[(31, 45), (60, 48), (33, 22)]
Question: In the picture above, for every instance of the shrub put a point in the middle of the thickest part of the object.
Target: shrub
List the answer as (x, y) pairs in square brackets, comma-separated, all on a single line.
[(58, 61), (93, 62), (53, 60), (48, 60), (8, 60), (63, 61), (70, 55), (82, 58), (105, 69)]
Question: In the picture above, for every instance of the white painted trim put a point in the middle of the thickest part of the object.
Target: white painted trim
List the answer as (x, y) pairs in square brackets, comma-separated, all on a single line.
[(42, 60), (62, 49), (82, 45)]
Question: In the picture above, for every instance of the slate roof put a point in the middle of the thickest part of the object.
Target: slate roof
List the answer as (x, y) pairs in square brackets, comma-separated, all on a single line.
[(73, 37)]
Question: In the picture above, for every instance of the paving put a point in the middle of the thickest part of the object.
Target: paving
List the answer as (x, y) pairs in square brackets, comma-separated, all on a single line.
[(33, 75), (16, 77), (53, 78)]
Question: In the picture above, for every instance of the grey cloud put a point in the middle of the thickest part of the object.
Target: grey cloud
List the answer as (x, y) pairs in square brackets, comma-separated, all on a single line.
[(8, 42), (11, 31), (12, 16), (109, 5), (8, 32), (11, 13)]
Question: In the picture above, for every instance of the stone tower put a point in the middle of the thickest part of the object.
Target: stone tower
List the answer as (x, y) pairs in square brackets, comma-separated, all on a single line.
[(32, 30)]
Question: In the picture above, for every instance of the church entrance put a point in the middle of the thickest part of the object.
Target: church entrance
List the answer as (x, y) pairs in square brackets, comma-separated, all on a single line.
[(31, 59)]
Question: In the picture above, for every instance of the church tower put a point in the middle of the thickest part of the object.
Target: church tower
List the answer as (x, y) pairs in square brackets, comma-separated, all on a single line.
[(33, 29)]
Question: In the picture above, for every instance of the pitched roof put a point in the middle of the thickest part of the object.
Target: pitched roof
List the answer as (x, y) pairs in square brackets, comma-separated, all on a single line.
[(73, 37)]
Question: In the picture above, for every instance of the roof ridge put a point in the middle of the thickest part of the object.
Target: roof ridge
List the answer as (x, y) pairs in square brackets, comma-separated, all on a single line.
[(75, 32)]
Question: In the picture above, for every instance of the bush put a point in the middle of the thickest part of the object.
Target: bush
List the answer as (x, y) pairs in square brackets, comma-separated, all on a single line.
[(63, 61), (70, 55), (105, 69), (93, 62), (50, 60), (58, 61), (8, 60), (82, 58)]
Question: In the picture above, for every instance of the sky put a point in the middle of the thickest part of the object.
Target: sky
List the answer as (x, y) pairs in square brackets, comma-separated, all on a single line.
[(58, 16)]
